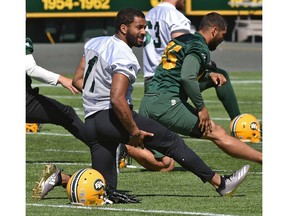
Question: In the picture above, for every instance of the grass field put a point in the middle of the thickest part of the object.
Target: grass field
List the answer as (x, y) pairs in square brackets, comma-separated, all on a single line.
[(175, 193)]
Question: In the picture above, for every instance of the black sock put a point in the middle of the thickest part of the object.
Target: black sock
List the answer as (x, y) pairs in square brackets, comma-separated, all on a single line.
[(222, 183), (59, 182)]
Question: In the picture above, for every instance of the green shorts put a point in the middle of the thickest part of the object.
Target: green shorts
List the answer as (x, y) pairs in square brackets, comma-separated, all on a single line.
[(176, 115)]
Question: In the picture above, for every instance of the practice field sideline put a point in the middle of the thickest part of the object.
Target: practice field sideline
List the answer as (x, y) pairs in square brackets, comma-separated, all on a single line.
[(241, 57)]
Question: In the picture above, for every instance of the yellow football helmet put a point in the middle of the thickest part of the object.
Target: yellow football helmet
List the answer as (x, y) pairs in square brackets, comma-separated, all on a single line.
[(33, 127), (87, 187), (246, 127)]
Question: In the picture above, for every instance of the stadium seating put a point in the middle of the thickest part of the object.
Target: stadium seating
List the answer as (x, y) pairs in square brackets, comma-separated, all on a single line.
[(90, 33), (68, 31)]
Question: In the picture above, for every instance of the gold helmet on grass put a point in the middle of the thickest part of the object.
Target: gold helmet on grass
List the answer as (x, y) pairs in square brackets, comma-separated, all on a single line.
[(246, 127), (87, 187), (33, 127)]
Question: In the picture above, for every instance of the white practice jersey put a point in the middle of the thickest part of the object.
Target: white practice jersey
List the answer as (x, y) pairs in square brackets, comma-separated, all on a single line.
[(162, 21), (105, 56)]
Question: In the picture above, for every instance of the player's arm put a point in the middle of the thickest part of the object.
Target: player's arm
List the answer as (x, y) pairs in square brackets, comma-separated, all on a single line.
[(41, 74), (211, 74), (79, 74), (67, 83), (189, 72), (119, 87)]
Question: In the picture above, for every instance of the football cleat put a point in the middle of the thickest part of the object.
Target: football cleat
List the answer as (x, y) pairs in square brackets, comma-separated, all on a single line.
[(231, 182), (50, 178), (121, 157), (246, 127)]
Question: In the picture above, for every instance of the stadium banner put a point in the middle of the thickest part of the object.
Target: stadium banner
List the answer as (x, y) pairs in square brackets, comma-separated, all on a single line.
[(110, 8), (82, 8)]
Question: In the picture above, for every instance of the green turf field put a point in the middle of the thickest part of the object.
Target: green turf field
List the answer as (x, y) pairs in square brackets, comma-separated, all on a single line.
[(175, 193)]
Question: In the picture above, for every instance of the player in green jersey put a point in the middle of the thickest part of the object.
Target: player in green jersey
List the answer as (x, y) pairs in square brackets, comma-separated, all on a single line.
[(177, 79)]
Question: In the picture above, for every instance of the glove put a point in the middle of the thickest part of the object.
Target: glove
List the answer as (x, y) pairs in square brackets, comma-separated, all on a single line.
[(117, 197)]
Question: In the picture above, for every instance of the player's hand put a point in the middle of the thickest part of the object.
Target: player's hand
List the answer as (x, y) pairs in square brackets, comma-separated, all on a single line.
[(138, 138), (67, 83), (218, 79), (205, 121)]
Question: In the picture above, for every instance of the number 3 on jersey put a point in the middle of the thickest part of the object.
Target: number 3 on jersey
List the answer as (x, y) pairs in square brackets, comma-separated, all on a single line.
[(156, 29)]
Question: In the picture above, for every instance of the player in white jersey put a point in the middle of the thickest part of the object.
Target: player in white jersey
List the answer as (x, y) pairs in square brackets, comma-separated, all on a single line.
[(105, 76), (96, 87), (164, 22)]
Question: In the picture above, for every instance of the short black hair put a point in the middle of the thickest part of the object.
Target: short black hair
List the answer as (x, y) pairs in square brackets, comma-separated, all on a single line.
[(126, 16), (213, 19)]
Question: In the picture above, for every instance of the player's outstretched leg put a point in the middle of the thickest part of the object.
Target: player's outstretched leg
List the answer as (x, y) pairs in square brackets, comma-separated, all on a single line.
[(230, 183), (232, 146)]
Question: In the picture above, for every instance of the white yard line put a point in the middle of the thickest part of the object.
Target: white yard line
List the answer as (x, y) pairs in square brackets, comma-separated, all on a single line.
[(128, 210)]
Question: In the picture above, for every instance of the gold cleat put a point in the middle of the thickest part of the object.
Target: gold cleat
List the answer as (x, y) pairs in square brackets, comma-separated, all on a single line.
[(47, 181)]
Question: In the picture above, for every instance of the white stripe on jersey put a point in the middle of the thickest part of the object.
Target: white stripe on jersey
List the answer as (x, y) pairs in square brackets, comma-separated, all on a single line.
[(162, 21), (105, 56)]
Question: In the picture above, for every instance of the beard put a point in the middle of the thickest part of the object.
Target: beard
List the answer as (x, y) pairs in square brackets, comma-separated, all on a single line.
[(212, 47), (213, 44), (132, 40)]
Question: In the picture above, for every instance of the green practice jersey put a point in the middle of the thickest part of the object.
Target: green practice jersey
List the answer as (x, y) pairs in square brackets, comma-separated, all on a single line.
[(167, 78)]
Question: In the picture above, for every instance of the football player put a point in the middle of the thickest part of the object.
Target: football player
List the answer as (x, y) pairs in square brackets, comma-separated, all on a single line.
[(165, 22), (42, 109), (176, 79)]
